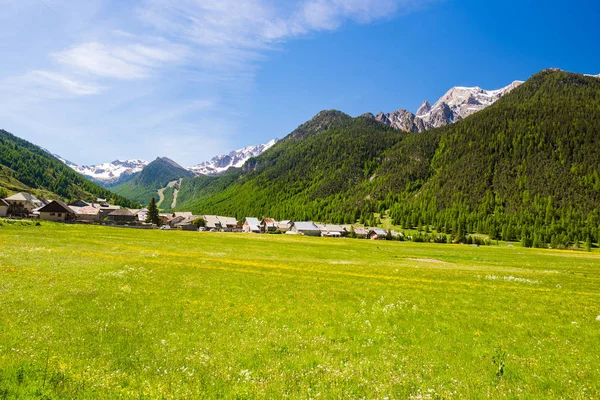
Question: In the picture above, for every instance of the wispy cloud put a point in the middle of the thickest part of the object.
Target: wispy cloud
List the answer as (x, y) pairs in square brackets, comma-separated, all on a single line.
[(59, 83), (130, 61)]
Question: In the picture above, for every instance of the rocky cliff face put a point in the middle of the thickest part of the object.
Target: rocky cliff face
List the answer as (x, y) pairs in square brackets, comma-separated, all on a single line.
[(457, 104)]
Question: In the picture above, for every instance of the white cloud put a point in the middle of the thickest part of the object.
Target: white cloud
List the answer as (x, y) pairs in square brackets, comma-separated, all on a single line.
[(130, 61), (59, 83), (39, 86), (258, 23)]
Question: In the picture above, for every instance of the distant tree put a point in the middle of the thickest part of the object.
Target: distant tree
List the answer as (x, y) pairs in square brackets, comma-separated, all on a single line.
[(199, 222), (588, 244), (525, 240), (152, 215), (352, 234)]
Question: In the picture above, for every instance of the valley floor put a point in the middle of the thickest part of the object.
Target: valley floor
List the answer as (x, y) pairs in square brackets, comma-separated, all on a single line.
[(96, 312)]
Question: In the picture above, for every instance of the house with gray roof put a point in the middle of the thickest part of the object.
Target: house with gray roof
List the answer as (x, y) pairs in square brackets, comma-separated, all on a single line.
[(86, 214), (331, 230), (229, 224), (377, 234), (121, 215), (23, 203), (187, 224), (251, 225), (305, 228), (284, 226), (212, 222)]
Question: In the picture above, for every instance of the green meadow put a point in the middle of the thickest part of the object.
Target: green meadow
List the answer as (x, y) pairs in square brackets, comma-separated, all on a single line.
[(97, 312)]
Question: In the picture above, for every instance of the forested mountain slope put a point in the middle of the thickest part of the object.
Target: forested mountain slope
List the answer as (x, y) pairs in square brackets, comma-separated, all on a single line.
[(29, 167), (526, 167), (153, 177), (303, 176)]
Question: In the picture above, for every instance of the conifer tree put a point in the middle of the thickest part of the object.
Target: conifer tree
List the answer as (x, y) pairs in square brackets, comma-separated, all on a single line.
[(588, 244), (152, 215)]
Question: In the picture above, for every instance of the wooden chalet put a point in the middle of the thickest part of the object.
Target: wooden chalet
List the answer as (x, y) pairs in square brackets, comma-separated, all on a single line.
[(122, 215), (56, 211)]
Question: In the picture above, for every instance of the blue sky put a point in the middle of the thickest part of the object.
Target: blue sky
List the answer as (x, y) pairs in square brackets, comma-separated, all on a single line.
[(98, 80)]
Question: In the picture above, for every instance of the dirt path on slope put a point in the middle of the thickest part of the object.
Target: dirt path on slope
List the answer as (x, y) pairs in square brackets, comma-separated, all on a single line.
[(161, 193), (175, 193)]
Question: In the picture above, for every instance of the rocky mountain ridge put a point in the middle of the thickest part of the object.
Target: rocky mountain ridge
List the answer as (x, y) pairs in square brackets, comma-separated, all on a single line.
[(457, 104), (235, 159)]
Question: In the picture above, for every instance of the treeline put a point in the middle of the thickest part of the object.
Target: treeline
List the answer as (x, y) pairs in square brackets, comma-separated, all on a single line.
[(37, 169)]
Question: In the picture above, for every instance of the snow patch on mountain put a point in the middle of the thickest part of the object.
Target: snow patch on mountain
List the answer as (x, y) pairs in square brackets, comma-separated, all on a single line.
[(235, 159)]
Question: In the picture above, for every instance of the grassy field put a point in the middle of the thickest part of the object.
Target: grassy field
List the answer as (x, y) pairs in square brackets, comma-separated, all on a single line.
[(96, 312)]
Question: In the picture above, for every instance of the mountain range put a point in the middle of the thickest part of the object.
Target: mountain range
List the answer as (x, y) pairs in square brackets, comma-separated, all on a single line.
[(118, 172), (457, 104)]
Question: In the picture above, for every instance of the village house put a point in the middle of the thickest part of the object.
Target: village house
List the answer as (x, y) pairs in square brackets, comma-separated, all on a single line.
[(122, 215), (361, 232), (86, 214), (284, 226), (141, 215), (228, 224), (187, 224), (105, 210), (175, 220), (268, 225), (212, 222), (56, 211), (305, 228), (3, 208), (251, 225), (332, 230), (377, 234), (164, 218), (23, 203)]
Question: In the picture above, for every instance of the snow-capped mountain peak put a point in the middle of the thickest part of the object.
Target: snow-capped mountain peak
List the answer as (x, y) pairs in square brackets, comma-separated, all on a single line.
[(458, 103), (234, 159), (108, 173), (424, 109)]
